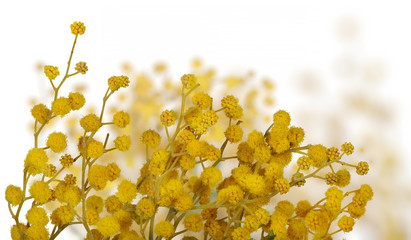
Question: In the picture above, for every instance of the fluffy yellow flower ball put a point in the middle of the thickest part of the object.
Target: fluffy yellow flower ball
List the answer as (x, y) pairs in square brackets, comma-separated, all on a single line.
[(121, 119), (211, 176), (61, 106), (40, 112), (14, 195), (126, 191), (108, 226), (164, 229), (145, 208), (57, 142), (90, 123), (77, 100), (123, 143), (37, 215), (40, 191), (36, 161)]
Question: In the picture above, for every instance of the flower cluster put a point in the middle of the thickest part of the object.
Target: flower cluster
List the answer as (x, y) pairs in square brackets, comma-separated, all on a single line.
[(186, 175)]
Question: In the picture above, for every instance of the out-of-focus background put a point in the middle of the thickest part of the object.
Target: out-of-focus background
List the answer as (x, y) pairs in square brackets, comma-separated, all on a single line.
[(340, 69)]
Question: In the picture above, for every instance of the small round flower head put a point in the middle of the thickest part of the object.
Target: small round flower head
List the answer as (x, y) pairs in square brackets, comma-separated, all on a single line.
[(37, 232), (81, 67), (14, 195), (70, 179), (158, 162), (62, 215), (211, 176), (240, 234), (168, 117), (95, 203), (187, 162), (183, 202), (231, 107), (96, 235), (36, 161), (274, 171), (95, 149), (331, 178), (40, 191), (151, 138), (209, 118), (366, 192), (362, 168), (61, 106), (282, 118), (232, 194), (346, 223), (333, 153), (212, 153), (116, 82), (70, 194), (51, 72), (245, 153), (202, 100), (282, 185), (77, 28), (15, 235), (40, 112), (255, 183), (185, 136), (145, 208), (262, 215), (90, 123), (296, 176), (57, 142), (108, 226), (343, 177), (262, 154), (234, 133), (126, 191), (92, 217), (113, 171), (66, 160), (121, 119), (302, 208), (37, 215), (295, 136), (98, 176), (112, 204), (188, 80), (164, 229), (317, 221), (195, 148), (77, 100), (193, 222), (318, 154), (123, 143), (347, 148)]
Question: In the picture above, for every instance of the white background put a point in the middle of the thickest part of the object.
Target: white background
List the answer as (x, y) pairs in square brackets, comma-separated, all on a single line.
[(273, 38)]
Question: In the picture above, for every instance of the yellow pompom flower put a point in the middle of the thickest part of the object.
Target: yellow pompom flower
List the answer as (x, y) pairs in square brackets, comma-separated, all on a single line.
[(333, 153), (14, 232), (108, 226), (231, 107), (185, 136), (296, 229), (121, 119), (77, 100), (234, 133), (317, 221), (304, 162), (347, 148), (95, 202), (81, 67), (158, 162), (262, 154), (281, 118), (295, 136), (51, 72), (211, 176), (37, 216), (240, 234), (285, 208), (255, 139), (151, 138), (62, 215), (255, 183), (90, 123), (40, 191), (193, 222), (188, 81), (209, 118), (318, 155), (68, 193), (145, 208), (262, 215), (282, 185), (251, 223), (40, 112), (113, 171), (362, 168), (98, 176), (346, 223), (49, 170), (116, 82), (302, 208), (123, 143), (164, 229), (36, 161), (343, 177), (37, 232), (202, 100), (195, 148), (187, 162), (77, 28), (92, 216), (232, 194), (126, 191), (95, 149), (245, 153), (57, 142), (66, 160), (112, 204), (61, 106), (183, 202), (14, 195), (168, 117)]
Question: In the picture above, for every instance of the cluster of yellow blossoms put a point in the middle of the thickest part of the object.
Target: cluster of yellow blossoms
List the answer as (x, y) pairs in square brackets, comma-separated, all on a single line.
[(180, 191)]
